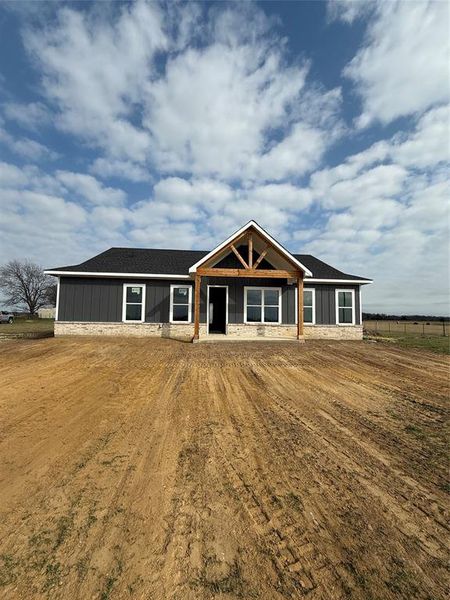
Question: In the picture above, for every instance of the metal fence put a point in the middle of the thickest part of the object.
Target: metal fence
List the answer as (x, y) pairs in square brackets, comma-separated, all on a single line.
[(414, 327)]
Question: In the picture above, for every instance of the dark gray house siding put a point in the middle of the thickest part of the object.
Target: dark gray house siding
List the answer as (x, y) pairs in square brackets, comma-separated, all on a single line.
[(100, 300)]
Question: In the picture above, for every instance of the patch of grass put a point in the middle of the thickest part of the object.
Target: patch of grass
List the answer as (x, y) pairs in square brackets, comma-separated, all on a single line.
[(62, 529), (82, 568), (433, 343), (400, 581), (416, 431), (52, 576), (294, 501), (27, 326), (111, 581), (8, 569)]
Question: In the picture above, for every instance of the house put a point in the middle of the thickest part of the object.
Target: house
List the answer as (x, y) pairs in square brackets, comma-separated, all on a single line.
[(46, 312), (249, 286)]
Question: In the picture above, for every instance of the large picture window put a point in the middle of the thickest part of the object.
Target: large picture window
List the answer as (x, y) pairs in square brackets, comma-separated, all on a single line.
[(345, 307), (180, 303), (262, 305), (133, 303)]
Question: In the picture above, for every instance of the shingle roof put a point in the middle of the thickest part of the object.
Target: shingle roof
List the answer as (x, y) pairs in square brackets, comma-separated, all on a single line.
[(177, 262)]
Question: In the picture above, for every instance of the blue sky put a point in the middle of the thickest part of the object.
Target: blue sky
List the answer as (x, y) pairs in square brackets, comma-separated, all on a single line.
[(171, 125)]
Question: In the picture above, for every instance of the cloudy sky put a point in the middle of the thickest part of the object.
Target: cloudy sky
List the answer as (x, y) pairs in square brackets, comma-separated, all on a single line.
[(170, 126)]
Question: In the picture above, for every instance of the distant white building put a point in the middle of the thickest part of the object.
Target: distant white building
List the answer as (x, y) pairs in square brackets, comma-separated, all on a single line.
[(47, 312)]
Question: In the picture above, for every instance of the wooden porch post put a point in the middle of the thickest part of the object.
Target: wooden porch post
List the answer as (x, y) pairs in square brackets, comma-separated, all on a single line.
[(300, 307), (198, 282)]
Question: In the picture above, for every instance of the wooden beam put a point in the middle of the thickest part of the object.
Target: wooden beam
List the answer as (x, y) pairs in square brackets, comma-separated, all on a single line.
[(250, 250), (300, 306), (261, 273), (224, 250), (261, 256), (198, 283), (245, 265)]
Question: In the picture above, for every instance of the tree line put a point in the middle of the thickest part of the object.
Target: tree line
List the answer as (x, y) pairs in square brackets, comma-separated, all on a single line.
[(25, 286), (384, 317)]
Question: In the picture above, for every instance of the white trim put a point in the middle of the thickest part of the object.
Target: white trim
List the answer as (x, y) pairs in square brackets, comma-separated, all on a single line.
[(306, 289), (261, 231), (207, 307), (336, 300), (346, 281), (360, 307), (125, 275), (169, 276), (57, 298), (262, 288), (124, 303), (180, 285)]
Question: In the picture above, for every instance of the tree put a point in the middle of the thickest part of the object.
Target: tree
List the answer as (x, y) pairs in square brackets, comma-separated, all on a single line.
[(51, 294), (25, 284)]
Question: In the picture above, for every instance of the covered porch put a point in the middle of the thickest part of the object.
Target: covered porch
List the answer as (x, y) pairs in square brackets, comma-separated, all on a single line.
[(248, 285)]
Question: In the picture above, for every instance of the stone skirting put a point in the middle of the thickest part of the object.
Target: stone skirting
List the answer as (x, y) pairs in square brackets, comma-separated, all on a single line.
[(248, 330), (333, 332), (125, 329), (245, 330)]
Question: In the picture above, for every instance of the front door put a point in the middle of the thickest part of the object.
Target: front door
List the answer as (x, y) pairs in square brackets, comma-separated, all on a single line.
[(217, 310)]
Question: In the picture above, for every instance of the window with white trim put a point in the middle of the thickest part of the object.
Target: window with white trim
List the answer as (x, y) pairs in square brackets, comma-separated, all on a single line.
[(309, 306), (180, 303), (345, 307), (262, 305), (133, 303)]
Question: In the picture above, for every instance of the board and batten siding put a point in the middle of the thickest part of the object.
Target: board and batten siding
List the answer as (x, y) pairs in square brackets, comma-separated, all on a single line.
[(100, 300)]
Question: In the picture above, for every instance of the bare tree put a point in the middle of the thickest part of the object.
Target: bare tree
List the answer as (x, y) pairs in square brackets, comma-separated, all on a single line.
[(51, 294), (24, 284)]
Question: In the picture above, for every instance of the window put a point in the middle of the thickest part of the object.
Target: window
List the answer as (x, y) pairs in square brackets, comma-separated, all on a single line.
[(309, 306), (133, 302), (180, 303), (345, 307), (262, 305)]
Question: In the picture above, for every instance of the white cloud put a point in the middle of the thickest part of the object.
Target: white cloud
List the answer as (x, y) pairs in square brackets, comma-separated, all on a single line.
[(31, 115), (25, 147), (229, 105), (89, 188), (349, 11), (403, 66), (119, 169), (95, 71)]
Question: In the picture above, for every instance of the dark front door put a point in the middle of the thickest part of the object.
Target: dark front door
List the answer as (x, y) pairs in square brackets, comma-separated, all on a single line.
[(217, 310)]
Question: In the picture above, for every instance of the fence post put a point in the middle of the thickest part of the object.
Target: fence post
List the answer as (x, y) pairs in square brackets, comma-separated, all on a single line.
[(376, 326), (443, 328), (404, 327), (423, 328), (389, 326)]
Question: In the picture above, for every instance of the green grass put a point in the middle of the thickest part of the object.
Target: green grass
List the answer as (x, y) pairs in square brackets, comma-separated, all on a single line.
[(434, 343), (27, 326)]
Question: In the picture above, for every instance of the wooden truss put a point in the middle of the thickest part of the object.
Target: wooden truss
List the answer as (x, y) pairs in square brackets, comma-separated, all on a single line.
[(250, 269)]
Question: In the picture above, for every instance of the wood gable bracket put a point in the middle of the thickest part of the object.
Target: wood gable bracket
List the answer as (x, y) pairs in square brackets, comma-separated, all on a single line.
[(250, 268)]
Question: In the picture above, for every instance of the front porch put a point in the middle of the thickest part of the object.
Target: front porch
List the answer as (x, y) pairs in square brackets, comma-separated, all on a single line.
[(263, 268)]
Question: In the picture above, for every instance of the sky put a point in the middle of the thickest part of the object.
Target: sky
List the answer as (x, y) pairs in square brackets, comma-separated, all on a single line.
[(170, 125)]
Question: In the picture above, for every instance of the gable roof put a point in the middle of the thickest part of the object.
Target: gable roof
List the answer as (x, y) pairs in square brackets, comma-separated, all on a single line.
[(175, 264), (252, 225)]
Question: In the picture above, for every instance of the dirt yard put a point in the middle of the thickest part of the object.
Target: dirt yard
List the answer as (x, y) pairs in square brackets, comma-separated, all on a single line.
[(162, 470)]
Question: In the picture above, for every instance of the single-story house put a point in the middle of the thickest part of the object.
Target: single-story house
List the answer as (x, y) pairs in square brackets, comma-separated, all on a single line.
[(249, 286)]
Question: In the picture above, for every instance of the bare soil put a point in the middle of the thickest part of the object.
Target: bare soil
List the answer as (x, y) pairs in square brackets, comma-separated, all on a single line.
[(156, 469)]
